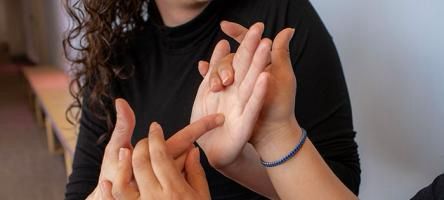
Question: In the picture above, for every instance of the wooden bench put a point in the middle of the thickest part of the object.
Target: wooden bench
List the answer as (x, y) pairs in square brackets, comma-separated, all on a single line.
[(50, 90)]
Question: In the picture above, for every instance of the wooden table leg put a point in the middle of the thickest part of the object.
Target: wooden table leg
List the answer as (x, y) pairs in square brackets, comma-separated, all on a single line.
[(38, 113), (68, 163), (53, 146)]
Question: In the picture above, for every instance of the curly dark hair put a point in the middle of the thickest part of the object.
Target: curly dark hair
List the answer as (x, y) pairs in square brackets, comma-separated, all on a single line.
[(96, 27)]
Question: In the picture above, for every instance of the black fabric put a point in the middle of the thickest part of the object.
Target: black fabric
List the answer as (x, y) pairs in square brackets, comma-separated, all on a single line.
[(434, 191), (165, 82)]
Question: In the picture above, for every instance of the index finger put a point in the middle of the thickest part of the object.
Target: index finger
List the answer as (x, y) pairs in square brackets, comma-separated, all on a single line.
[(182, 140)]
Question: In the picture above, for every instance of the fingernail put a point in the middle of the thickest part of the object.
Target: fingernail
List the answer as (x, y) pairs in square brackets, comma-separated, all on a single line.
[(225, 75), (220, 119), (121, 153), (292, 33), (154, 125), (117, 107)]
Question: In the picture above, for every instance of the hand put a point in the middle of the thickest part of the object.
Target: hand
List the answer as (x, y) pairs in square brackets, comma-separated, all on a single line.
[(121, 138), (155, 172), (178, 145), (240, 103), (278, 109)]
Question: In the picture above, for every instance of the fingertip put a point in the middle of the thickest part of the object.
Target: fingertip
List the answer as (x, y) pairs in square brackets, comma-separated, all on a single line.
[(118, 104), (259, 25), (155, 128), (257, 28), (124, 112), (203, 67), (226, 75), (266, 44), (267, 41), (220, 119), (292, 32), (283, 39), (223, 23)]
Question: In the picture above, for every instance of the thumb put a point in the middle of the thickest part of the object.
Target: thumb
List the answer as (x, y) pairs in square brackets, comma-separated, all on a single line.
[(195, 174), (280, 53), (125, 122)]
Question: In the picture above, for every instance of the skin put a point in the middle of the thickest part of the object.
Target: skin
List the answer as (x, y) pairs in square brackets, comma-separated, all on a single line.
[(274, 134), (178, 145), (277, 130), (162, 180), (226, 147), (178, 12), (287, 178)]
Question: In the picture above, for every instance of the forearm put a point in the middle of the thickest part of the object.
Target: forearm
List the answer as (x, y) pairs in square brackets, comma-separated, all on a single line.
[(248, 171), (306, 175)]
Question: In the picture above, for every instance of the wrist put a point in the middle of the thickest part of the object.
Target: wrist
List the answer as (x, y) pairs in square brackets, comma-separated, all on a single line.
[(279, 141)]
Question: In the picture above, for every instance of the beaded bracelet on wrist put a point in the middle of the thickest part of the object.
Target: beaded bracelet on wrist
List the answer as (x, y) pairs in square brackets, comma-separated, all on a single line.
[(289, 155)]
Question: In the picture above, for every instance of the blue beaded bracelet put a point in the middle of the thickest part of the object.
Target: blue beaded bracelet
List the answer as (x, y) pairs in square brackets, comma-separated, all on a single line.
[(289, 155)]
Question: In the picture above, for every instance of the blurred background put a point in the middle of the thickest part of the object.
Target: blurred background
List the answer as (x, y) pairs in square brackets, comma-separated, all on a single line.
[(393, 57)]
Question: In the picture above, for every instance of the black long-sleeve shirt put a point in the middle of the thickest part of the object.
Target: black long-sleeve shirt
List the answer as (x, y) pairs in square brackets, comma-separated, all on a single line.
[(165, 80)]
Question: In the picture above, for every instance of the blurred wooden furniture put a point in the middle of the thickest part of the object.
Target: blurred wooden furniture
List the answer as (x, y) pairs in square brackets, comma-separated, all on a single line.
[(50, 91)]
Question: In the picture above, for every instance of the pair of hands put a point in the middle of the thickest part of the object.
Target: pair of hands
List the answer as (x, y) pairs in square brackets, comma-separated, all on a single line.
[(254, 89), (154, 168)]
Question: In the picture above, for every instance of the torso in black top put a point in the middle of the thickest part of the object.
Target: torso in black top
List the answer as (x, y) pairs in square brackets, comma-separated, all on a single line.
[(165, 81)]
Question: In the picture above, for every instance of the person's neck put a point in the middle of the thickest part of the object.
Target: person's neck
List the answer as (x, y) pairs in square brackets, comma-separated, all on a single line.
[(175, 14)]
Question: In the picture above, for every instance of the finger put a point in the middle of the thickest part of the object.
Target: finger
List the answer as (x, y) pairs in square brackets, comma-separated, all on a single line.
[(221, 50), (182, 140), (280, 53), (261, 59), (254, 104), (143, 172), (244, 54), (195, 174), (161, 160), (203, 67), (179, 162), (226, 65), (234, 30), (106, 190), (122, 188), (123, 130), (226, 73)]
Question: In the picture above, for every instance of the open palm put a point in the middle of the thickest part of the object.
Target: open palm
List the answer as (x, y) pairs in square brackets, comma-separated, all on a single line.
[(240, 103)]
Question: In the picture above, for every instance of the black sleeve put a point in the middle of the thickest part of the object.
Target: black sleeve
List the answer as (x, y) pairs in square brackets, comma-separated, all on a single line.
[(88, 156), (433, 191), (322, 100)]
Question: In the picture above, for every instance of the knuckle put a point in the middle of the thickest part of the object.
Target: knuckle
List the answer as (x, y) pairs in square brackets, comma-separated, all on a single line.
[(159, 154), (187, 137), (175, 195), (117, 192)]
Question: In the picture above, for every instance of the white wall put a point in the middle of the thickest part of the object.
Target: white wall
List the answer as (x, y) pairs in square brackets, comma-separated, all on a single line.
[(45, 23), (393, 56), (56, 24)]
